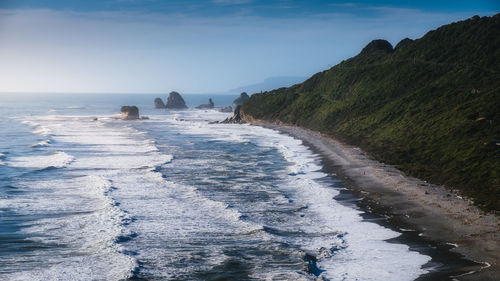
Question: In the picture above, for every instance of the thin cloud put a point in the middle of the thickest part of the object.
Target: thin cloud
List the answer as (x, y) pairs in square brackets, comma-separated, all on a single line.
[(345, 5), (232, 2), (132, 51)]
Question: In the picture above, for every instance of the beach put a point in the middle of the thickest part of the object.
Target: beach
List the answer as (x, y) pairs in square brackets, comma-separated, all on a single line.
[(437, 213)]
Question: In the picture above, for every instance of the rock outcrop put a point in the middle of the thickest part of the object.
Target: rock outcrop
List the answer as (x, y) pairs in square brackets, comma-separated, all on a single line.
[(175, 101), (226, 109), (159, 103), (377, 45), (209, 105), (403, 43), (129, 112), (236, 118), (240, 100)]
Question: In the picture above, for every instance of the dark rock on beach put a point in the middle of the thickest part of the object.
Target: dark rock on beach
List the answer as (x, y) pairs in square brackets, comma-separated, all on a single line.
[(129, 112), (236, 118), (175, 101), (159, 103), (209, 105), (240, 100)]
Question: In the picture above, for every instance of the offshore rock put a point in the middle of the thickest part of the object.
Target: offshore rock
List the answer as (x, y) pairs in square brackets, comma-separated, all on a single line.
[(209, 105), (129, 112), (175, 101), (226, 109), (240, 100), (159, 103)]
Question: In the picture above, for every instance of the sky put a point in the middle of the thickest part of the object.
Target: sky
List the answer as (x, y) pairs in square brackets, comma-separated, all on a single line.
[(209, 46)]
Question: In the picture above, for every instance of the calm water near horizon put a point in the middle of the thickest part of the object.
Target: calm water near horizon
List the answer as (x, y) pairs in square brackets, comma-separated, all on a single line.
[(174, 198)]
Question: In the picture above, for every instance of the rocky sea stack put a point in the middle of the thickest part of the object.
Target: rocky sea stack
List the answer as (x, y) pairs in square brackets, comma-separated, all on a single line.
[(240, 100), (175, 101), (209, 105), (129, 112), (159, 103)]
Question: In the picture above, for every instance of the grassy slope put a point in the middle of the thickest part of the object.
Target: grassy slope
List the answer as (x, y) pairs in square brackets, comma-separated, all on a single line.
[(431, 107)]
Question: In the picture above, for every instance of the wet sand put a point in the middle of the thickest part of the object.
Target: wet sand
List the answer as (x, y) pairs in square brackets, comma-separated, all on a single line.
[(436, 213)]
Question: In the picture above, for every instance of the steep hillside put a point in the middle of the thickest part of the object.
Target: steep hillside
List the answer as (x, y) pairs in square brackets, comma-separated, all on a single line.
[(429, 106)]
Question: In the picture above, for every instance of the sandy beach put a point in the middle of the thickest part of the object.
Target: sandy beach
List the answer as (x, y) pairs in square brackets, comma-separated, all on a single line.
[(437, 213)]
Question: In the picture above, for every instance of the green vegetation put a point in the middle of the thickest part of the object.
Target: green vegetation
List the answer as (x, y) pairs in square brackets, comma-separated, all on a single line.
[(430, 106)]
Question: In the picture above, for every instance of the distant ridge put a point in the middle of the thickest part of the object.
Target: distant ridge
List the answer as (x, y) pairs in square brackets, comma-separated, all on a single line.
[(430, 106), (269, 84)]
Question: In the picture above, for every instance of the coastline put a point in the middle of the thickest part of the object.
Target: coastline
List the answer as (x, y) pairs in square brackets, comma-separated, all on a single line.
[(434, 212)]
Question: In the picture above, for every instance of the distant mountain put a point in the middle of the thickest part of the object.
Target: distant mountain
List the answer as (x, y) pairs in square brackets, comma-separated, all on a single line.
[(430, 106), (269, 84)]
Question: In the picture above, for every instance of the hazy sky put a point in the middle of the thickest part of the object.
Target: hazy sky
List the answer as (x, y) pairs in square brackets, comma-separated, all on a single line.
[(155, 46)]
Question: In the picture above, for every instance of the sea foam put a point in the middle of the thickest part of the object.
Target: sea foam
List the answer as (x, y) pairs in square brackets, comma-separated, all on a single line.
[(343, 244), (56, 159)]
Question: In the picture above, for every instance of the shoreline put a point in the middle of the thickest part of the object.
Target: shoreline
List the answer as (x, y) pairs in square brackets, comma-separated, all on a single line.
[(437, 214)]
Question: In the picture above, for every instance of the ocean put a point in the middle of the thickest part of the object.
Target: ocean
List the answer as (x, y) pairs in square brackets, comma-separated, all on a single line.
[(84, 196)]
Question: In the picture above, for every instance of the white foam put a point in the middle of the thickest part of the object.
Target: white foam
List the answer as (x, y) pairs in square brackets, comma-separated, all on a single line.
[(127, 158), (55, 159), (45, 142), (175, 214), (37, 128), (362, 253), (80, 216), (76, 107), (168, 213)]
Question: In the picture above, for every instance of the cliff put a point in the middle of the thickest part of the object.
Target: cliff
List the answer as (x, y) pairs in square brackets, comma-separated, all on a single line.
[(429, 106)]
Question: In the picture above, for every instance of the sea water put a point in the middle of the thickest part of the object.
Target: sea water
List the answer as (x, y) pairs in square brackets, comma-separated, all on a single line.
[(85, 196)]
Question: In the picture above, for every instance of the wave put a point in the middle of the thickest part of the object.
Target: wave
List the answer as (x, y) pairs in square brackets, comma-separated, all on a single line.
[(37, 128), (361, 252), (76, 107), (55, 159), (354, 255), (79, 214), (112, 200), (42, 143)]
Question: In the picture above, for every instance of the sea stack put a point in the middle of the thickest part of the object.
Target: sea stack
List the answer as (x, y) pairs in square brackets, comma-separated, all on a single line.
[(209, 105), (159, 103), (175, 101), (129, 112), (240, 100)]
